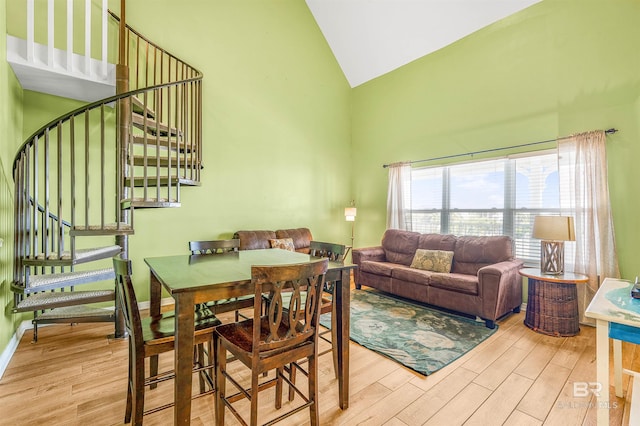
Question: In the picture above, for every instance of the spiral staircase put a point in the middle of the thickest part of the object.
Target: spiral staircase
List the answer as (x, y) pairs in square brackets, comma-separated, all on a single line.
[(80, 178)]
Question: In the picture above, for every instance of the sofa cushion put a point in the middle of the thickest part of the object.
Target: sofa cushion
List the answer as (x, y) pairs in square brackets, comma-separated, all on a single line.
[(282, 243), (459, 283), (412, 275), (437, 242), (472, 253), (400, 246), (378, 268), (433, 260), (253, 240), (301, 238)]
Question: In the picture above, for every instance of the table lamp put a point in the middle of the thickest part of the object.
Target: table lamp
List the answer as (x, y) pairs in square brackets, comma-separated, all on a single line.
[(553, 231)]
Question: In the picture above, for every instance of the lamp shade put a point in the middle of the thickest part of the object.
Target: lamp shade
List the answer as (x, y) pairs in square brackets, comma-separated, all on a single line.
[(554, 228), (350, 214)]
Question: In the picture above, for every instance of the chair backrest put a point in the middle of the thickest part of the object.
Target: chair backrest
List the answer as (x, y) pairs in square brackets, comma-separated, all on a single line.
[(331, 251), (294, 324), (128, 300), (214, 246)]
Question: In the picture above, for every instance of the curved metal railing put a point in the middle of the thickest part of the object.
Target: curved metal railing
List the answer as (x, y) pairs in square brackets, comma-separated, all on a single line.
[(83, 168)]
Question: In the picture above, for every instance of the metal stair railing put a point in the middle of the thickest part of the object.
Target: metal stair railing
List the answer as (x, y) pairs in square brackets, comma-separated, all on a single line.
[(58, 180), (76, 174)]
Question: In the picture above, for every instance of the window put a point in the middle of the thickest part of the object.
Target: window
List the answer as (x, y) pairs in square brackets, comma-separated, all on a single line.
[(492, 197)]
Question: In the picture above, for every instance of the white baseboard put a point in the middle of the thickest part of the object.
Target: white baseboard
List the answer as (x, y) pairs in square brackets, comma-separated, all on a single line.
[(11, 347)]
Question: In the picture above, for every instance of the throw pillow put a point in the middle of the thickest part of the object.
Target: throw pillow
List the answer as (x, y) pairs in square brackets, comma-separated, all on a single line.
[(283, 243), (433, 260)]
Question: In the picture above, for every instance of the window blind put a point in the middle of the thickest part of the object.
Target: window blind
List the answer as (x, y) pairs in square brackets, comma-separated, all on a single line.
[(490, 197)]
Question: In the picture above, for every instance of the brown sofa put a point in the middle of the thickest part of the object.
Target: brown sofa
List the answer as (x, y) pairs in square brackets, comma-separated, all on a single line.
[(483, 281), (253, 240)]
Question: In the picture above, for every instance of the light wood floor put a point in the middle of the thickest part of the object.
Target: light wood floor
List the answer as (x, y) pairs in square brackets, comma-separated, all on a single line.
[(74, 375)]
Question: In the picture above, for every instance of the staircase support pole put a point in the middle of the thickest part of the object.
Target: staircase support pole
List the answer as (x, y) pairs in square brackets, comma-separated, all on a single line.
[(124, 122)]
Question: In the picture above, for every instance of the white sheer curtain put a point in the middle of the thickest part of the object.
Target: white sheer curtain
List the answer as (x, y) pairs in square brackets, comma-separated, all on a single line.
[(399, 196), (582, 163)]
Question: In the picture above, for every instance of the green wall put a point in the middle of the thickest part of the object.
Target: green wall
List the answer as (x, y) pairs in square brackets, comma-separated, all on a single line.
[(10, 137), (556, 68), (276, 131)]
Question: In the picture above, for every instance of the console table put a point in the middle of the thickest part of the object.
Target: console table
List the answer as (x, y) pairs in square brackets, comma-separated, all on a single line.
[(613, 304), (552, 304)]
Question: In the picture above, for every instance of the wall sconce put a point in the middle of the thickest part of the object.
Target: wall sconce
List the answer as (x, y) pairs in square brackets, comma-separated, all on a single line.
[(553, 231)]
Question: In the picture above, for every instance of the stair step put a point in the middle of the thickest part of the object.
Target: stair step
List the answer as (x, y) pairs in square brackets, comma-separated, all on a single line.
[(141, 160), (108, 229), (139, 108), (163, 142), (82, 256), (58, 299), (79, 313), (42, 282), (152, 181), (149, 203), (164, 130)]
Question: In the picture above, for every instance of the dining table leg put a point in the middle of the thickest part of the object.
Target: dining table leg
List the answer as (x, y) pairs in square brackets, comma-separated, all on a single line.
[(155, 295), (343, 324), (155, 301), (184, 332)]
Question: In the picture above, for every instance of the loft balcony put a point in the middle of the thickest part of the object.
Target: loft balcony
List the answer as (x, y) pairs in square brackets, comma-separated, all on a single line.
[(60, 74), (60, 71)]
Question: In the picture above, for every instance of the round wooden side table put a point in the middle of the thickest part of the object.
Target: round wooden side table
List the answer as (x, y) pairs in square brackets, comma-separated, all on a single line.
[(552, 304)]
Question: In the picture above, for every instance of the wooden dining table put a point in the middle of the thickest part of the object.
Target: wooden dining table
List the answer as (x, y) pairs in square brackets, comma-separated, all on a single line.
[(193, 279)]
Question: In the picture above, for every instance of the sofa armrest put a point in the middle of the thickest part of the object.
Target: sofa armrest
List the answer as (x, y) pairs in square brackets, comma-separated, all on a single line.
[(375, 254), (498, 269), (360, 255), (500, 287)]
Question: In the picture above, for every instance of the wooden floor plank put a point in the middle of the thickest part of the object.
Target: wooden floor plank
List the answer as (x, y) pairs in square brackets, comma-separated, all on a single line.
[(437, 397), (539, 356), (541, 396), (387, 407), (461, 407), (571, 408), (518, 418), (492, 376), (76, 375), (501, 403), (486, 355)]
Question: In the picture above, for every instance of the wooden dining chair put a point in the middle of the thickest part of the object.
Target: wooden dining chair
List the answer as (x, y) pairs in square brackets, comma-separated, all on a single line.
[(216, 247), (149, 337), (274, 340), (333, 252), (336, 253)]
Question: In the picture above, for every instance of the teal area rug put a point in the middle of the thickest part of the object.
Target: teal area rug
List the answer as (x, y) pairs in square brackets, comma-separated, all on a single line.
[(421, 338)]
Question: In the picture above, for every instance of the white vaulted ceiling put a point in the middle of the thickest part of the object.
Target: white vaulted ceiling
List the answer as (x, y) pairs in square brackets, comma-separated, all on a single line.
[(372, 37)]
